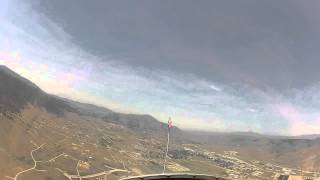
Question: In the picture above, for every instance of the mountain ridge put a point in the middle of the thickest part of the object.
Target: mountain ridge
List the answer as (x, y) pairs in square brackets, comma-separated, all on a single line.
[(13, 83)]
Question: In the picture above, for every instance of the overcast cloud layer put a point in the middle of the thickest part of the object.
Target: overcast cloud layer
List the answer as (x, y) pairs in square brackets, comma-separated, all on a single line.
[(213, 65)]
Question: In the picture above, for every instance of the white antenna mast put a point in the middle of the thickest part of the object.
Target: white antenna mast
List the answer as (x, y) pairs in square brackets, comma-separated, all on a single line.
[(168, 140)]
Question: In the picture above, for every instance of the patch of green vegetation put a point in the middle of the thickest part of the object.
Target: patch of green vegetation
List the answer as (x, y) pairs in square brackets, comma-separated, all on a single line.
[(48, 178), (24, 159)]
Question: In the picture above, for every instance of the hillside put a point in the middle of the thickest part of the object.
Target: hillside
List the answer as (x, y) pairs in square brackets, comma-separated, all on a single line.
[(16, 92)]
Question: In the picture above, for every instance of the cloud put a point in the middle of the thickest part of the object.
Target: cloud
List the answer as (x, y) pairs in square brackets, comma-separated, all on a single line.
[(252, 110), (215, 88)]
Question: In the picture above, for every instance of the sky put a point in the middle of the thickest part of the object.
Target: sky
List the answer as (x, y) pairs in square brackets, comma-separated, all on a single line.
[(211, 65)]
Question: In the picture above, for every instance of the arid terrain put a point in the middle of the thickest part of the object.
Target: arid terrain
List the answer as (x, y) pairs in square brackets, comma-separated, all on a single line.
[(47, 137)]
